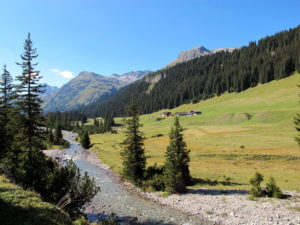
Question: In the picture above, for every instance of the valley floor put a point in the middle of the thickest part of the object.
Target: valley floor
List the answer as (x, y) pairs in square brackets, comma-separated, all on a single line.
[(228, 207), (237, 135)]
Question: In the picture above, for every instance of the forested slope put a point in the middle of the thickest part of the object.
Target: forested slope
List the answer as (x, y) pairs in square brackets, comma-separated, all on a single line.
[(272, 57)]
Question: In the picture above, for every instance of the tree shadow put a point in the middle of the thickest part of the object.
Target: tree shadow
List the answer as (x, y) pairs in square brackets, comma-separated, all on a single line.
[(202, 191), (205, 191), (228, 182)]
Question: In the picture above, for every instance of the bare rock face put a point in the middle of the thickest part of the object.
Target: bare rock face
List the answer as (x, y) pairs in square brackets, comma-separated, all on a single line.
[(195, 53)]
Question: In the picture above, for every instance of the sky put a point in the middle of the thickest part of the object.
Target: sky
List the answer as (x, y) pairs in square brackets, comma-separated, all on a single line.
[(118, 36)]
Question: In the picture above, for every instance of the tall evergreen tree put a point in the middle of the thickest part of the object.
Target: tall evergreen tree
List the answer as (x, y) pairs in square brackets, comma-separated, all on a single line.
[(6, 113), (85, 140), (177, 172), (58, 137), (28, 100), (134, 160), (50, 136)]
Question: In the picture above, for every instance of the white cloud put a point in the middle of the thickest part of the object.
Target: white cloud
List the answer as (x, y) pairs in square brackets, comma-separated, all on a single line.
[(55, 70), (65, 74)]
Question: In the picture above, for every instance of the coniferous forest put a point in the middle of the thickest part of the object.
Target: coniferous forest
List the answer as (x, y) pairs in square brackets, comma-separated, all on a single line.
[(271, 58), (24, 133)]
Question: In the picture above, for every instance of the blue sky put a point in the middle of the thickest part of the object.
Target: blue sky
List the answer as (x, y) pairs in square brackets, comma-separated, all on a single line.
[(117, 36)]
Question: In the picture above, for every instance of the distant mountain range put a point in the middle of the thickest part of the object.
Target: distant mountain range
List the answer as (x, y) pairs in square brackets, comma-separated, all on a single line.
[(48, 90), (86, 88), (199, 74)]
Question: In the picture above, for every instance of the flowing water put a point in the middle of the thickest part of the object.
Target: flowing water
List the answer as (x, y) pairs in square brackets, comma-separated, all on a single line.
[(114, 198)]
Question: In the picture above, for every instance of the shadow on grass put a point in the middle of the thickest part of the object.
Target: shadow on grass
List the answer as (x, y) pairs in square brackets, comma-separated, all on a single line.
[(217, 192), (200, 181), (229, 182), (12, 215)]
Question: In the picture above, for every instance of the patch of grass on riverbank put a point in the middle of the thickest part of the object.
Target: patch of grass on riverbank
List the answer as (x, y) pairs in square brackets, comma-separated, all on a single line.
[(237, 135), (18, 206)]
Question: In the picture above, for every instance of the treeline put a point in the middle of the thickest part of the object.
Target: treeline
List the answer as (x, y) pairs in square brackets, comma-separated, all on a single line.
[(273, 57), (23, 134), (66, 120)]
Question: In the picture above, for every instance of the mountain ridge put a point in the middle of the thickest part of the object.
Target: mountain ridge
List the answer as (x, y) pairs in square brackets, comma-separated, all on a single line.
[(197, 52), (86, 88), (270, 58)]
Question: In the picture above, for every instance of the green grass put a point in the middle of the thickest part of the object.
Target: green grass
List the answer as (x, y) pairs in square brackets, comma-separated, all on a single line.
[(21, 207), (236, 135)]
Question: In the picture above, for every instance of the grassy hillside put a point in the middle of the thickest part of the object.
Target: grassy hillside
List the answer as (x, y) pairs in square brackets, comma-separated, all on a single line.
[(236, 135), (26, 208)]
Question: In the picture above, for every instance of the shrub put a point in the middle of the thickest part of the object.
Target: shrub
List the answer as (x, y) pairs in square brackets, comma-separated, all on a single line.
[(256, 189), (154, 177), (71, 188), (272, 190)]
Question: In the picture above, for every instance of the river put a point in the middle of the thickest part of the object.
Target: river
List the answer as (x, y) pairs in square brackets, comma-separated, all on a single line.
[(113, 197)]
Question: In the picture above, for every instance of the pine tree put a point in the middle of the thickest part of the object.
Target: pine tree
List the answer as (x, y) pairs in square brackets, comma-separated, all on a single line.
[(58, 135), (85, 140), (101, 127), (134, 160), (6, 111), (28, 100), (177, 172), (108, 122), (96, 122), (50, 136)]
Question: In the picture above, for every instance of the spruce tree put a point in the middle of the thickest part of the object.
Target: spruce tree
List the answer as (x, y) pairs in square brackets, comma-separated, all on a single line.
[(6, 111), (134, 160), (28, 100), (50, 136), (85, 140), (177, 174), (101, 127), (58, 135)]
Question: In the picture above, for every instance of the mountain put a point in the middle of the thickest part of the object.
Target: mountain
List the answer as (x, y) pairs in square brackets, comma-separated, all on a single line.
[(271, 58), (48, 90), (195, 53), (86, 88)]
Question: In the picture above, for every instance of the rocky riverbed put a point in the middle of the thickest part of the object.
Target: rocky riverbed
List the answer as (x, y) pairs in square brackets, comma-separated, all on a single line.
[(198, 206), (129, 206)]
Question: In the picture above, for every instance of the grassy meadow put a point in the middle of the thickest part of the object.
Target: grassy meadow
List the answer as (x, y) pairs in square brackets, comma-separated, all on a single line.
[(18, 206), (236, 135)]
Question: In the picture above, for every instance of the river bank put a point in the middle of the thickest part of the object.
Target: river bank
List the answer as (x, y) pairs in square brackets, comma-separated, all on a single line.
[(229, 207), (216, 206), (117, 198)]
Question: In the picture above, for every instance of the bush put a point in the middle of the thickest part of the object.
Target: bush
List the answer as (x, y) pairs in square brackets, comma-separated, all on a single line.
[(63, 186), (256, 189), (71, 189), (272, 190), (154, 178)]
